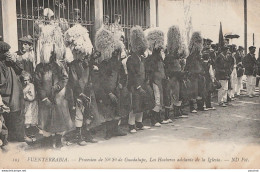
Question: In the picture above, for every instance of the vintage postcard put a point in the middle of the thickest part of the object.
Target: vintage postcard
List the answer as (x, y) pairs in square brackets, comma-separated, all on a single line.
[(127, 84)]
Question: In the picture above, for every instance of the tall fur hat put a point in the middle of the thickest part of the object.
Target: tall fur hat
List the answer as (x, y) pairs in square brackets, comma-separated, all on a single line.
[(174, 40), (155, 39), (196, 42), (105, 43), (138, 41)]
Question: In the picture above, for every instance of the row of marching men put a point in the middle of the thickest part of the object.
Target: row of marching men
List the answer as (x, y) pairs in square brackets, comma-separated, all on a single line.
[(58, 96)]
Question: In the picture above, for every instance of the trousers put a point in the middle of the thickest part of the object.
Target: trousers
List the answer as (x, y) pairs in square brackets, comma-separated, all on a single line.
[(138, 117), (238, 85), (250, 85), (222, 92)]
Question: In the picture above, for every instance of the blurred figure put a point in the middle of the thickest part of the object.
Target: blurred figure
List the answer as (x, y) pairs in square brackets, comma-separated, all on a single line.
[(12, 95), (54, 118), (110, 79), (222, 75), (209, 79), (258, 71), (240, 69), (250, 64), (174, 73), (25, 57), (194, 69), (154, 67), (233, 73), (142, 99)]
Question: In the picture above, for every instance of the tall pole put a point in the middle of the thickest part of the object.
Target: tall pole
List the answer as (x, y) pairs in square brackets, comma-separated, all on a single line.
[(157, 13), (253, 39), (245, 25)]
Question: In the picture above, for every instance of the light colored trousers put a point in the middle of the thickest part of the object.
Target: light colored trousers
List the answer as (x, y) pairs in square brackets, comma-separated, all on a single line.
[(79, 115), (250, 84), (157, 98), (233, 80), (138, 117), (238, 85), (222, 92)]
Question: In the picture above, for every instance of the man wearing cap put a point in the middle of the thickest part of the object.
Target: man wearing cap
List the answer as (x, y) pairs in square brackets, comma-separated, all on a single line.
[(240, 69), (25, 57), (11, 92), (250, 65), (222, 75)]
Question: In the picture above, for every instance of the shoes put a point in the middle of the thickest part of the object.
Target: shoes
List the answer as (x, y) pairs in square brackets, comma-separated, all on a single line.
[(29, 140), (144, 128), (157, 124), (79, 138), (91, 140), (194, 111), (250, 96), (132, 129), (206, 109), (170, 121), (211, 108), (222, 105), (81, 142), (167, 121), (56, 141), (184, 116), (255, 95), (140, 126), (203, 109)]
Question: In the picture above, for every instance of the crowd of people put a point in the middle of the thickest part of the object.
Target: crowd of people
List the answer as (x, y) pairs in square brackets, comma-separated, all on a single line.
[(44, 93)]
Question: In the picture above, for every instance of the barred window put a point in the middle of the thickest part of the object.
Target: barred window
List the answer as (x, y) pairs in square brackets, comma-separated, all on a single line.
[(133, 12), (28, 11)]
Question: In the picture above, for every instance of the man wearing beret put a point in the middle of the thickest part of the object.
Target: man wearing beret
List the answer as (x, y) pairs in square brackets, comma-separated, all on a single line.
[(250, 65)]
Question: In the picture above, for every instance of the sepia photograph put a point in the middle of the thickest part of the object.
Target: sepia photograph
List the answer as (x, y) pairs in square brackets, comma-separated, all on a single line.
[(129, 84)]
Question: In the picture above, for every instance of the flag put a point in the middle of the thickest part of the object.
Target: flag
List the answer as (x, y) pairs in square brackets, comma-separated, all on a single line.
[(221, 37)]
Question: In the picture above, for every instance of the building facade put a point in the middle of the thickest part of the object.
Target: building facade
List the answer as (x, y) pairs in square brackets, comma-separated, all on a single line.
[(19, 16)]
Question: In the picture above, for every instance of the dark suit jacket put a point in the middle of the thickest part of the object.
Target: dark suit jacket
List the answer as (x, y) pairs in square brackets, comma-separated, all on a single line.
[(250, 63), (222, 67), (136, 71)]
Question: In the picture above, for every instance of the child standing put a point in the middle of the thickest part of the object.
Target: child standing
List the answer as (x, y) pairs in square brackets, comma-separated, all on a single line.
[(30, 107)]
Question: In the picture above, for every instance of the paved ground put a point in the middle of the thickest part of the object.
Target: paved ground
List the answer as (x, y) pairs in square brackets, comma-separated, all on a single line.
[(215, 136)]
